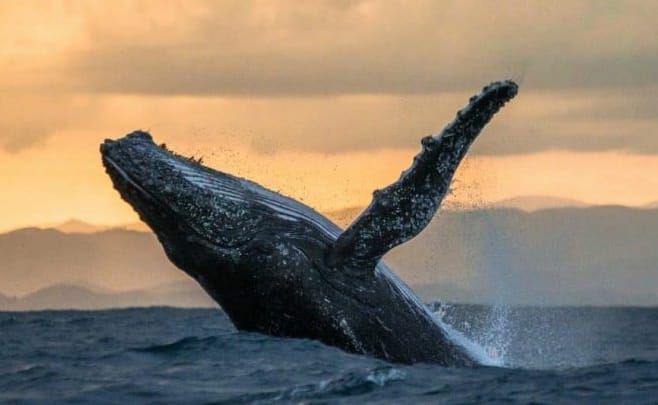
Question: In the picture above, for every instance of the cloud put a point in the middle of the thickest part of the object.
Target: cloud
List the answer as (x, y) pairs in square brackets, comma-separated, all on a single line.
[(31, 118), (327, 48), (535, 122), (516, 144), (578, 120), (331, 76)]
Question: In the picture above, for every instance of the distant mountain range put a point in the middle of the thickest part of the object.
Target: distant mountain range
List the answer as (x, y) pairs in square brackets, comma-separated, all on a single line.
[(531, 203), (651, 205), (77, 226), (528, 203), (563, 256), (65, 296), (559, 256), (116, 260)]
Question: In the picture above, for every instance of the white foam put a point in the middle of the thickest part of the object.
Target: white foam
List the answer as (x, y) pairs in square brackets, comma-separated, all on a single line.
[(478, 352), (383, 376)]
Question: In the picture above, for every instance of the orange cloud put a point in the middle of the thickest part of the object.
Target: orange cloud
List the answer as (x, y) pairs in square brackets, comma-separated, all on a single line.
[(325, 100), (63, 179)]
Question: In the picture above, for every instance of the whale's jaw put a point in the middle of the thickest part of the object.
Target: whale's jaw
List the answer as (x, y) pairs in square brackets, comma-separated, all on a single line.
[(205, 219)]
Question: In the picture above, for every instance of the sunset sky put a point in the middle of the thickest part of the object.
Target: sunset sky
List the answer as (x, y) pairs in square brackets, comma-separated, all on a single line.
[(326, 100)]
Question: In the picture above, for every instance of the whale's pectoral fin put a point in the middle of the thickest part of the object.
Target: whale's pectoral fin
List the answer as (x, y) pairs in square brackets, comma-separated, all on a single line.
[(403, 209)]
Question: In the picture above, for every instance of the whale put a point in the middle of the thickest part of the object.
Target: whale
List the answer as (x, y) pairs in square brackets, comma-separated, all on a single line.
[(278, 267)]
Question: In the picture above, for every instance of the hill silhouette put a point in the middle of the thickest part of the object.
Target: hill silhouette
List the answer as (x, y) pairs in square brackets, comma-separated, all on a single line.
[(117, 259), (560, 256), (563, 256), (77, 226), (537, 202), (65, 296)]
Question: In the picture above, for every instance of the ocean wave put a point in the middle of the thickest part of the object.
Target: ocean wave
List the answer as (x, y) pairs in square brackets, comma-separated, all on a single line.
[(196, 356), (350, 384), (29, 374), (605, 366), (8, 321), (80, 320), (189, 343)]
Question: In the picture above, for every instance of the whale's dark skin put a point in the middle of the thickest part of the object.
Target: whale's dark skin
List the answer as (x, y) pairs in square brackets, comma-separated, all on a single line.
[(278, 267)]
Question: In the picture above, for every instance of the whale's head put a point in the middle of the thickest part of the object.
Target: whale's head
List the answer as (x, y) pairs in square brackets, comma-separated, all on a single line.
[(220, 229), (174, 195)]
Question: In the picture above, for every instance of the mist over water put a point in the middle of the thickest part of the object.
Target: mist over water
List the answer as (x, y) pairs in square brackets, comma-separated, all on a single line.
[(489, 336)]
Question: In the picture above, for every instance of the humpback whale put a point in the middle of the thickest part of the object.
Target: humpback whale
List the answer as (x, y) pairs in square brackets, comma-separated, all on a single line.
[(278, 267)]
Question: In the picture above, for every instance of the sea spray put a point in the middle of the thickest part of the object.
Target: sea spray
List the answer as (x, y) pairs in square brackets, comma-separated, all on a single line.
[(496, 334), (479, 351), (496, 337)]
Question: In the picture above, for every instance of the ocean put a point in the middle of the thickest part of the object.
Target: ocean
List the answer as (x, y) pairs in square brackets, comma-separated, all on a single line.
[(155, 355)]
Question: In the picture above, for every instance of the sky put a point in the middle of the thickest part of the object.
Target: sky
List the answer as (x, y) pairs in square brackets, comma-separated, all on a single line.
[(326, 100)]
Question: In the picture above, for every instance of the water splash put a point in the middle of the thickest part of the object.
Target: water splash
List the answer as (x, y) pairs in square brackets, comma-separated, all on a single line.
[(497, 337), (473, 348), (381, 376), (496, 334), (480, 352)]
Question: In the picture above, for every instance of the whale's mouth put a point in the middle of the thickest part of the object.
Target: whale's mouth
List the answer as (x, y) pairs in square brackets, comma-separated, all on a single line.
[(116, 171), (156, 214), (117, 164)]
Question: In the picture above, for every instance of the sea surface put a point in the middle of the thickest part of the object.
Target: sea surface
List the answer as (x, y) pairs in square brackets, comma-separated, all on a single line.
[(146, 355)]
